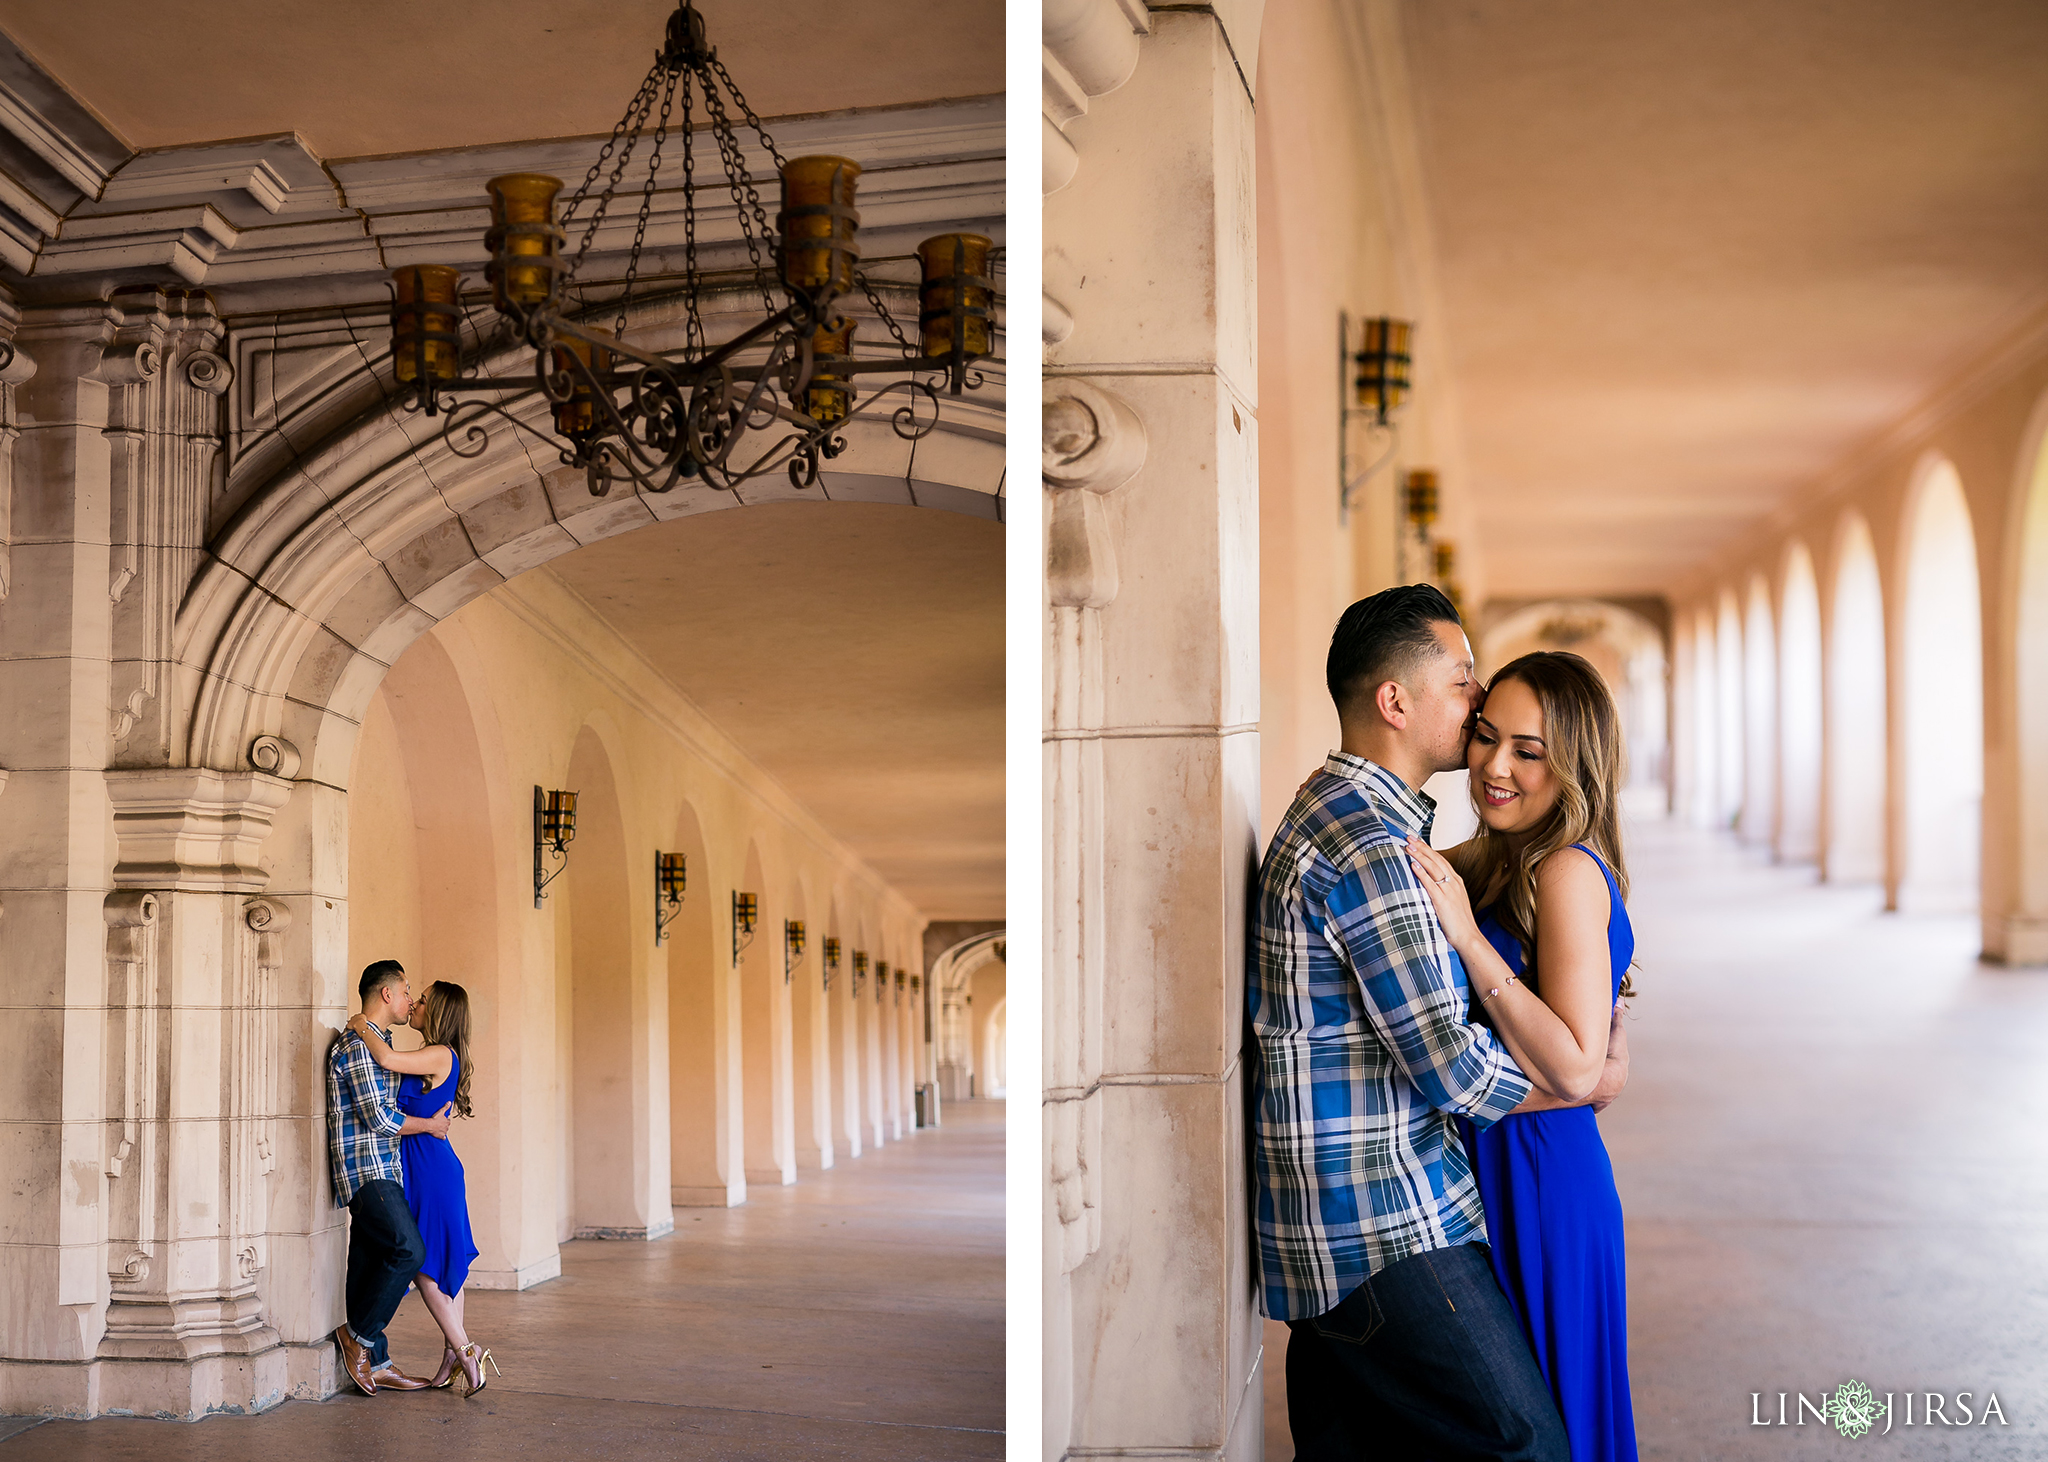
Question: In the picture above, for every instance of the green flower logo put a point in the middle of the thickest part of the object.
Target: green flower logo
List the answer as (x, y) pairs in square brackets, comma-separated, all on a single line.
[(1853, 1409)]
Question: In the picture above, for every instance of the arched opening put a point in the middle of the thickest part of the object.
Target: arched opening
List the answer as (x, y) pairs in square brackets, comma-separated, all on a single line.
[(995, 1050), (703, 1039), (1706, 728), (602, 1013), (1759, 818), (1628, 651), (844, 1028), (874, 1117), (1730, 727), (1854, 777), (1942, 703), (1799, 710), (764, 1027)]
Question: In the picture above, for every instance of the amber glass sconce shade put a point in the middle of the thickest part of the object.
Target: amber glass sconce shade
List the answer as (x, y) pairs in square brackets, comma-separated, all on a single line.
[(1421, 498), (792, 946), (818, 223), (827, 398), (831, 960), (860, 968), (577, 416), (1446, 557), (881, 979), (956, 300), (426, 343), (554, 828), (525, 245), (1383, 363)]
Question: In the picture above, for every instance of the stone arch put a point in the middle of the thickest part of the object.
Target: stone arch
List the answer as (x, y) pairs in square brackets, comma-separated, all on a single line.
[(1730, 727), (705, 1170), (1853, 780), (764, 1034), (601, 935), (952, 979), (1759, 816), (1940, 698), (995, 1049), (358, 527), (2021, 932), (1800, 702)]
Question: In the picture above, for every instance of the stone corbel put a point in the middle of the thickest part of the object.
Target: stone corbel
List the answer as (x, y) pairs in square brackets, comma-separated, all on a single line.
[(192, 828), (1093, 444), (278, 757)]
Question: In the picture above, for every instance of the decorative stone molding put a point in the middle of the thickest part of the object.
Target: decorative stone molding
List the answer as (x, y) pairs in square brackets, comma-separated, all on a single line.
[(192, 828), (1090, 48), (277, 756), (1093, 443)]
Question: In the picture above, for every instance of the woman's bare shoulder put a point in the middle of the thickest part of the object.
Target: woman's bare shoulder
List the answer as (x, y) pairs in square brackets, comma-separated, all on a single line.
[(1572, 875)]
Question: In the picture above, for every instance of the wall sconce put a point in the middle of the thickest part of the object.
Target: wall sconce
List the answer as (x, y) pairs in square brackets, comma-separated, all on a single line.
[(1379, 386), (671, 877), (831, 961), (792, 947), (901, 979), (1446, 557), (881, 979), (554, 828), (915, 984), (746, 913), (860, 969), (1421, 497)]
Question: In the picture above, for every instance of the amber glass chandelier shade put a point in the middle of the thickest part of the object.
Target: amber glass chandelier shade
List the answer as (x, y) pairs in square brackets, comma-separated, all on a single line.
[(828, 397), (1421, 490), (957, 296), (1446, 560), (579, 412), (425, 341), (525, 245), (1383, 364), (818, 222)]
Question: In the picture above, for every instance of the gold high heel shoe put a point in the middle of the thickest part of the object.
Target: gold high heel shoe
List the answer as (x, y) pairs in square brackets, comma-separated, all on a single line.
[(477, 1353), (452, 1359)]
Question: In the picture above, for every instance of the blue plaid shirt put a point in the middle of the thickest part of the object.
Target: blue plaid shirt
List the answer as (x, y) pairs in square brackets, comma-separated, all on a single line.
[(1366, 1052), (363, 1120)]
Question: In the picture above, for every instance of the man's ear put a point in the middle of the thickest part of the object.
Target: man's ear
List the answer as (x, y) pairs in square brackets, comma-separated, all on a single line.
[(1391, 701)]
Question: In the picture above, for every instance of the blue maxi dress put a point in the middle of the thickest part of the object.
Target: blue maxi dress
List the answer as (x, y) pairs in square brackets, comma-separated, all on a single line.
[(1554, 1220), (434, 1188)]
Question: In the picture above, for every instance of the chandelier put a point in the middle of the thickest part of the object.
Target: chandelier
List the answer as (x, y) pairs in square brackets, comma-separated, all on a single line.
[(778, 394)]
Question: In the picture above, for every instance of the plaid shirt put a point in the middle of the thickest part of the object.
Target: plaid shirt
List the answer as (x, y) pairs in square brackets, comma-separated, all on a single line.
[(1366, 1053), (363, 1120)]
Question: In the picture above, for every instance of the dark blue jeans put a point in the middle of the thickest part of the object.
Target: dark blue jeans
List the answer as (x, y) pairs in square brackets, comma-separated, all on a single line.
[(1423, 1361), (384, 1253)]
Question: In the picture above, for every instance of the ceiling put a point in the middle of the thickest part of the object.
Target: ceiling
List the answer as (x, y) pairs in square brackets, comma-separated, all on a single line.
[(855, 651), (1693, 255), (382, 76)]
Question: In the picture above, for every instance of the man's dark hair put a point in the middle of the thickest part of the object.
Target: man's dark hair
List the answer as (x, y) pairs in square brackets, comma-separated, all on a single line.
[(377, 976), (1385, 637)]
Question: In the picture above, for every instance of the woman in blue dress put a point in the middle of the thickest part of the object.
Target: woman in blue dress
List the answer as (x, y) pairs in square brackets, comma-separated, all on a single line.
[(1548, 955), (433, 1077)]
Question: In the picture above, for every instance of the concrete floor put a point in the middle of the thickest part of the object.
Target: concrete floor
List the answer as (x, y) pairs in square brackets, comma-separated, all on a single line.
[(1831, 1156), (857, 1315)]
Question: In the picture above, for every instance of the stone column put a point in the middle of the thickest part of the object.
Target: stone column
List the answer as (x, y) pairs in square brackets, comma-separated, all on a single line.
[(1152, 1338)]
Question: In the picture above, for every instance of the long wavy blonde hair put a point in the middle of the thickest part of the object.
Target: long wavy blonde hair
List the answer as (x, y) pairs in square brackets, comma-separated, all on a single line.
[(1583, 745), (442, 1019)]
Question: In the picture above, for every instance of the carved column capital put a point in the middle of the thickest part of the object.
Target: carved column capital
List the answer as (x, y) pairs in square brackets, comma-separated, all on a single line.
[(1093, 444), (193, 829)]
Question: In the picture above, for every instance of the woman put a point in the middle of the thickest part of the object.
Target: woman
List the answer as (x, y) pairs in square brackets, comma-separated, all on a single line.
[(1548, 957), (435, 1075)]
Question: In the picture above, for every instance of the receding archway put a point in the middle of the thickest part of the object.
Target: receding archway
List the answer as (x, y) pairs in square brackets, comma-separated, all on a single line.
[(1799, 710), (1759, 818), (1942, 704), (810, 1047), (2023, 939), (1730, 725), (703, 1041), (1706, 720), (1854, 779), (764, 1034)]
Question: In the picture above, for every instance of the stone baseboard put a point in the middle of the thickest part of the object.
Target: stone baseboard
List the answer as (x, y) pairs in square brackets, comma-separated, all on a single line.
[(526, 1276), (2018, 939), (169, 1390), (652, 1231)]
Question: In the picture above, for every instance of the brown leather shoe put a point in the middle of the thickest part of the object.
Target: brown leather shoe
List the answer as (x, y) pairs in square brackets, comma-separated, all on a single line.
[(355, 1361), (391, 1378)]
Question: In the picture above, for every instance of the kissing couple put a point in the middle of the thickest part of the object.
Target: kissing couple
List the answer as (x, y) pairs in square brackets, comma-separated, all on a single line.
[(398, 1176), (1437, 1217)]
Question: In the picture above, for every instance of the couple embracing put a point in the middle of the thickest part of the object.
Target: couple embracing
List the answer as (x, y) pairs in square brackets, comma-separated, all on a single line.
[(394, 1170), (1437, 1218)]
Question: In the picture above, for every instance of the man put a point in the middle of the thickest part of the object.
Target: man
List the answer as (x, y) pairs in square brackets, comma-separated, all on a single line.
[(1371, 1236), (363, 1128)]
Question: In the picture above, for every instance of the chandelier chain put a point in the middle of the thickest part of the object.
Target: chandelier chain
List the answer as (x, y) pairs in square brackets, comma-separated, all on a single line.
[(636, 118), (860, 278), (693, 325), (668, 100), (748, 112), (745, 197)]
